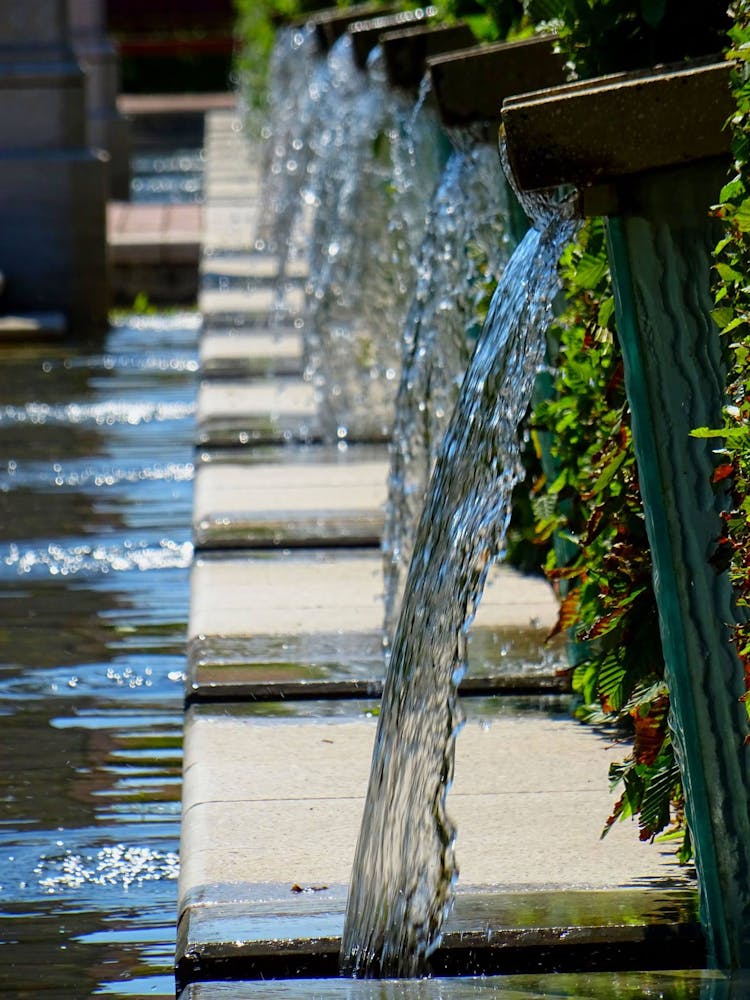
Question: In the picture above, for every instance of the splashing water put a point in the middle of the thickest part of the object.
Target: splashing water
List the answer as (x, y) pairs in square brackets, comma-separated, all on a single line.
[(379, 171), (465, 248), (404, 868), (298, 77)]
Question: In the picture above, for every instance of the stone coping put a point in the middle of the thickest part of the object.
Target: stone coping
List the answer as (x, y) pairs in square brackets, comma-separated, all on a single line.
[(257, 779), (238, 353), (259, 411), (366, 34), (246, 298), (406, 51), (334, 590), (470, 86), (330, 25), (508, 663), (599, 130), (687, 984), (488, 933)]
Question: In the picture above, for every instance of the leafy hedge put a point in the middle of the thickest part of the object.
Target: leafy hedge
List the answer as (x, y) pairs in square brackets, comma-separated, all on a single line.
[(592, 508), (591, 515), (732, 315)]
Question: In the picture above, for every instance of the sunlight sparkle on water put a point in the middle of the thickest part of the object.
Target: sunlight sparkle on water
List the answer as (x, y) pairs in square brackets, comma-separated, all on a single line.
[(63, 560), (118, 865)]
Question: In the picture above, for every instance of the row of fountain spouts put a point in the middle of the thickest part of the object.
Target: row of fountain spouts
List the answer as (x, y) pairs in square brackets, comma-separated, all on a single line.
[(404, 226)]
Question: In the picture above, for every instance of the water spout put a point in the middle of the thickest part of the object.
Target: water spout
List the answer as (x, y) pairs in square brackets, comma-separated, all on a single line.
[(405, 868)]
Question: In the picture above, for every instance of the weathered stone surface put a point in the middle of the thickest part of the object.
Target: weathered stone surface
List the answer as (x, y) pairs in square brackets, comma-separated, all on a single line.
[(277, 505), (574, 134)]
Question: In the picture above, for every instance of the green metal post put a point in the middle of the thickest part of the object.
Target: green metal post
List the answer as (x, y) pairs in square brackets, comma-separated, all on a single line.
[(660, 253)]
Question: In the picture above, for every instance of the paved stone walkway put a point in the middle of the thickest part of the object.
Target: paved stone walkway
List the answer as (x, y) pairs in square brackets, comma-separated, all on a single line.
[(287, 597)]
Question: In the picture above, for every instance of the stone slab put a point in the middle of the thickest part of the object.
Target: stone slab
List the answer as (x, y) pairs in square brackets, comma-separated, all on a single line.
[(272, 808), (242, 353), (333, 591), (257, 266), (253, 300), (311, 505), (240, 412), (275, 801)]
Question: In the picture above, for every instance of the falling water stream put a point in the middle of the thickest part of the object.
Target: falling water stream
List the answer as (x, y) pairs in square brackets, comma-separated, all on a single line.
[(299, 77), (464, 249), (405, 869), (352, 166)]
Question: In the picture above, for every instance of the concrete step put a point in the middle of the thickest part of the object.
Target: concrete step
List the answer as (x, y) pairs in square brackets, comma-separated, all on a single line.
[(308, 623), (272, 806), (241, 353), (284, 505), (257, 411)]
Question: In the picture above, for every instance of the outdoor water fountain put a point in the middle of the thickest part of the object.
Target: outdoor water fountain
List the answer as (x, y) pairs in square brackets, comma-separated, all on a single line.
[(660, 238), (378, 176), (363, 159), (395, 914)]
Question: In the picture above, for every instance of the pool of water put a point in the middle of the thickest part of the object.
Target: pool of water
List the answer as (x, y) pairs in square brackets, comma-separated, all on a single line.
[(96, 472)]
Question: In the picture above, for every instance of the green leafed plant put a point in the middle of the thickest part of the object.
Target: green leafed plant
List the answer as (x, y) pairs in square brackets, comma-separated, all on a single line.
[(608, 36), (589, 509), (732, 315)]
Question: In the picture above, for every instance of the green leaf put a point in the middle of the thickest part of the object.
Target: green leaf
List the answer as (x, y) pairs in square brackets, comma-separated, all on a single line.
[(591, 269), (727, 273), (606, 310), (655, 805), (611, 680), (706, 432), (609, 472), (653, 12), (734, 189)]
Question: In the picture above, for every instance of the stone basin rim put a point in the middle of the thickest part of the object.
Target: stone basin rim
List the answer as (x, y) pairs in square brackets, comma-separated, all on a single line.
[(594, 133), (660, 71), (469, 84)]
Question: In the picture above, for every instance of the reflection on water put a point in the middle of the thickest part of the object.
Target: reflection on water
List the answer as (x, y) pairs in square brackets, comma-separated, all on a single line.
[(95, 499), (174, 177)]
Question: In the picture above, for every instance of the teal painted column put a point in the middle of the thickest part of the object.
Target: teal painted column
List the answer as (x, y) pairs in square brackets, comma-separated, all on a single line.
[(660, 252)]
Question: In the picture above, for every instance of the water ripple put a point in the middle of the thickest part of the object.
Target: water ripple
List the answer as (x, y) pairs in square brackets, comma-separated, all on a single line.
[(58, 474)]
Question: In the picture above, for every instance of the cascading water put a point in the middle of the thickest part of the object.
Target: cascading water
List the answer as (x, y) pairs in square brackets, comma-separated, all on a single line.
[(370, 205), (464, 250), (297, 72), (404, 869)]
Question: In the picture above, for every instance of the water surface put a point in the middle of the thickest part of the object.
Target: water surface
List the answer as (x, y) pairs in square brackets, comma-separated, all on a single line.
[(95, 499)]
